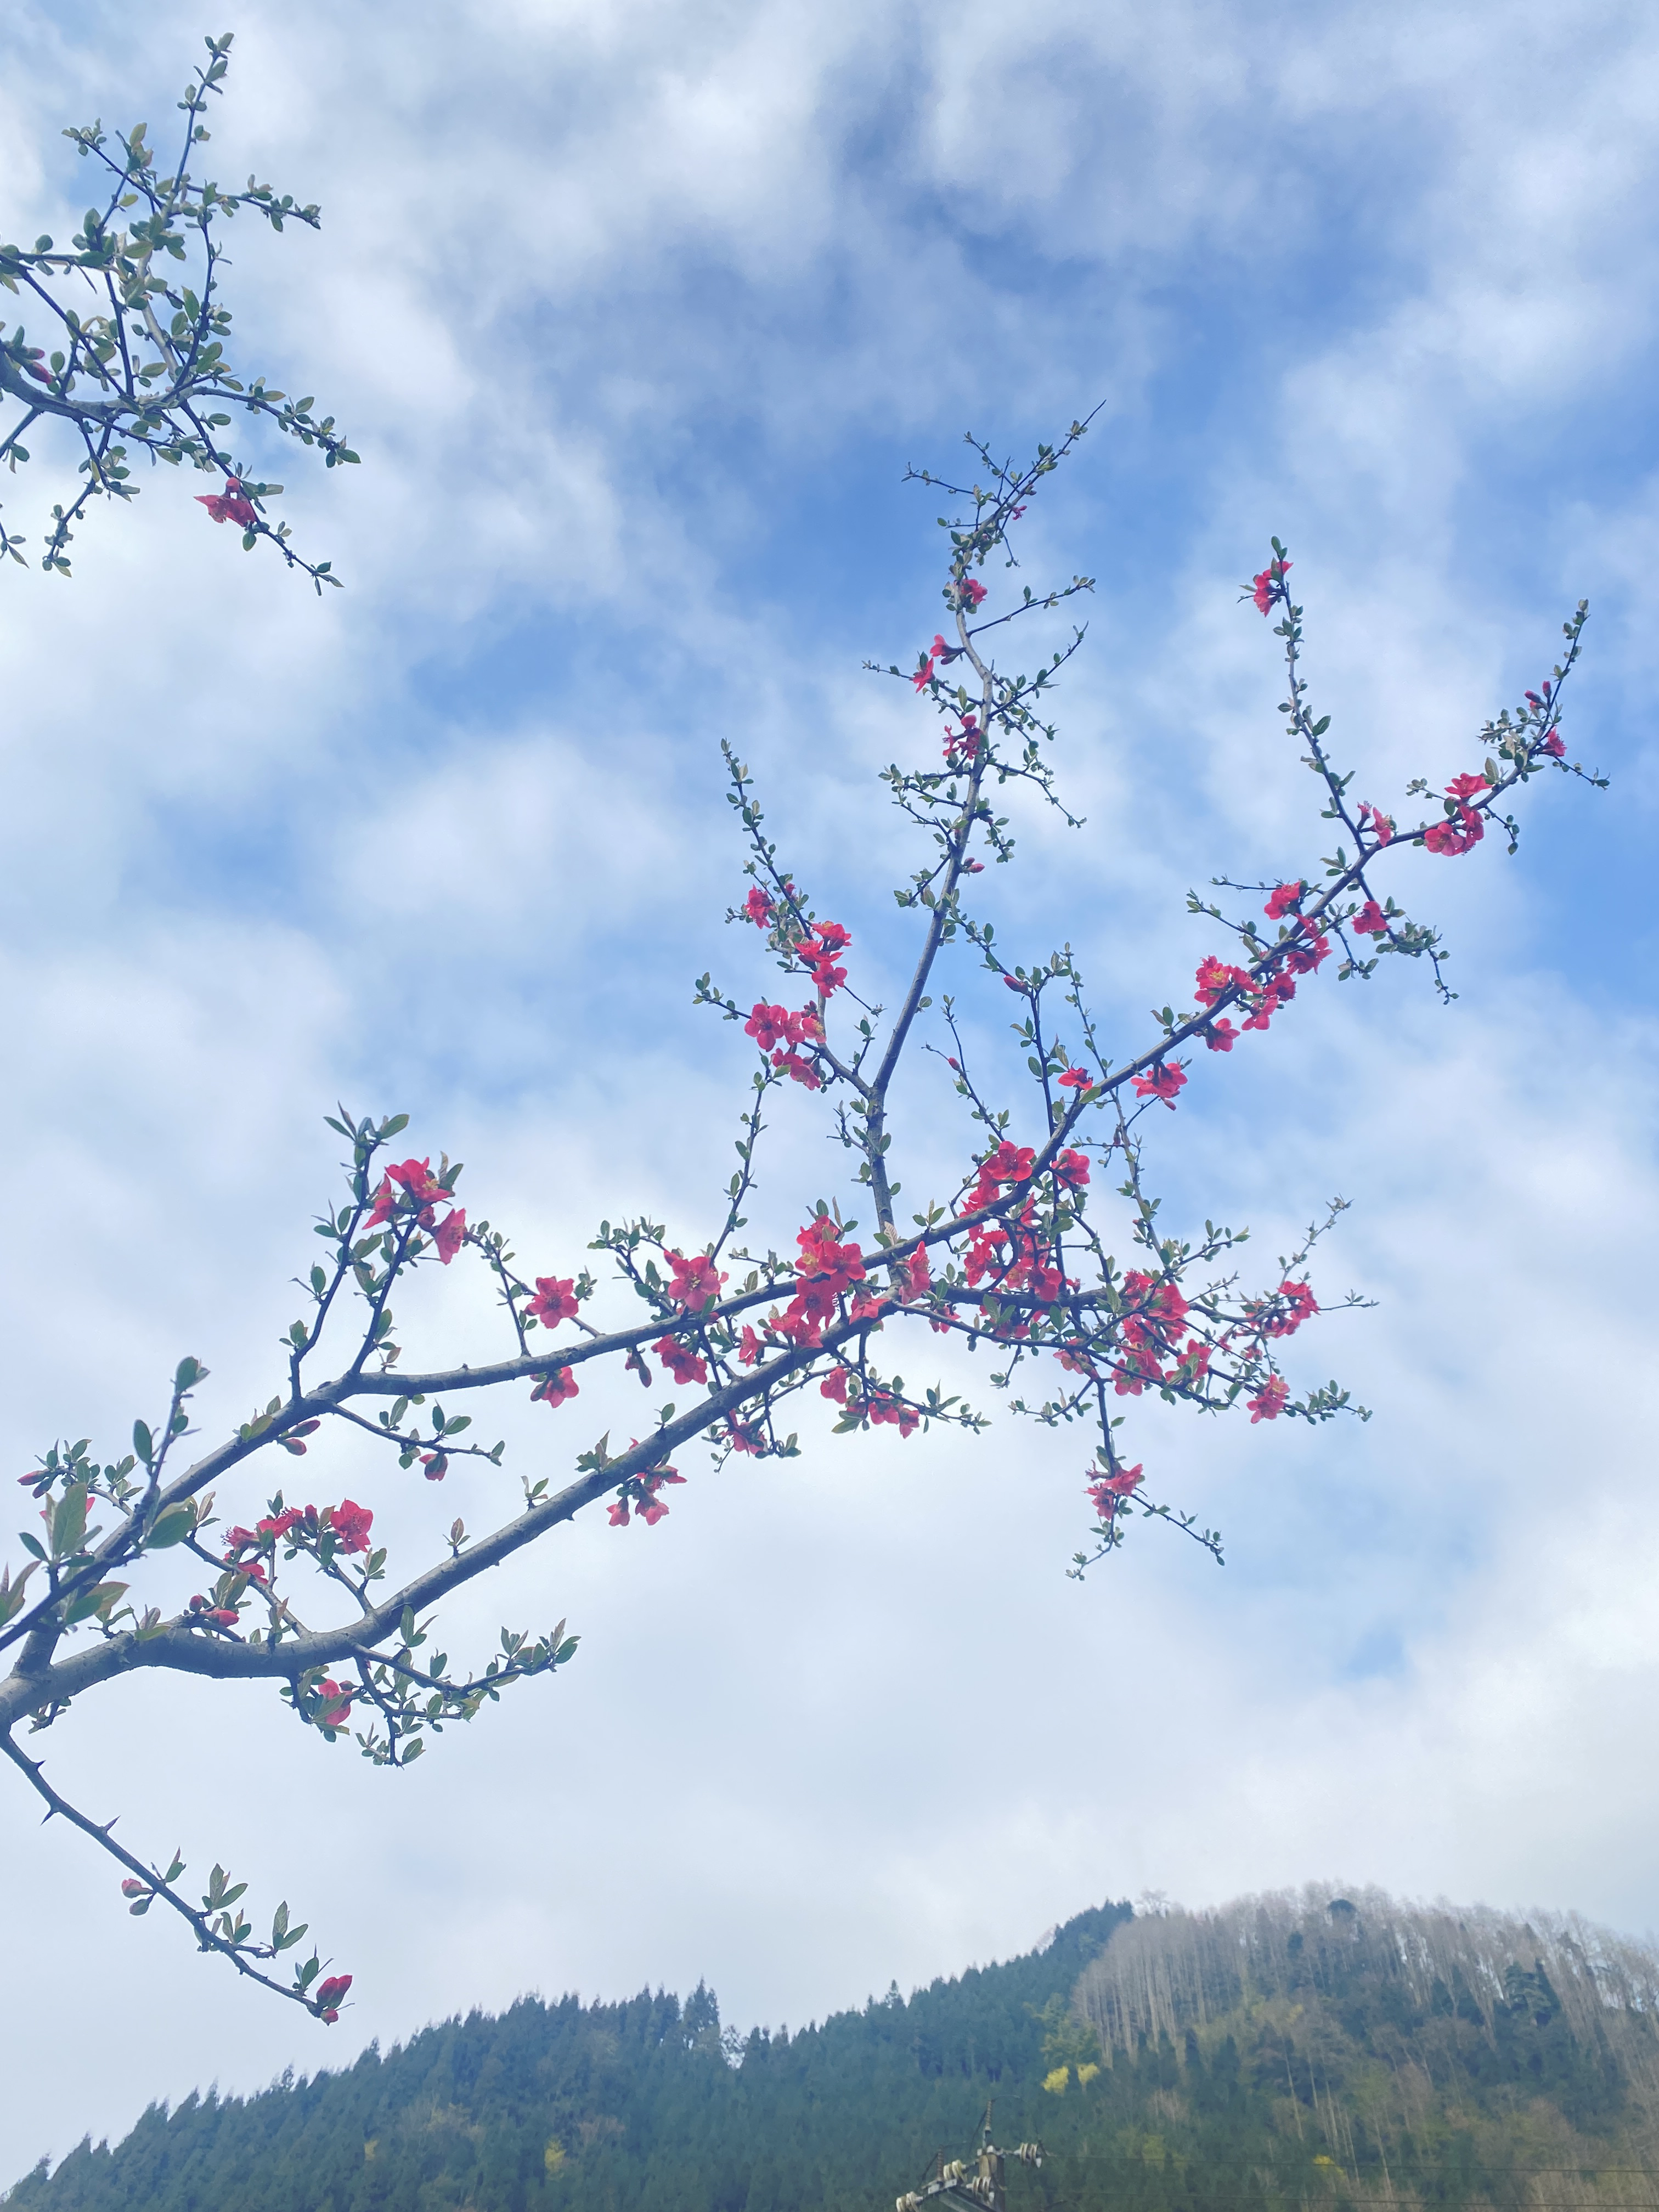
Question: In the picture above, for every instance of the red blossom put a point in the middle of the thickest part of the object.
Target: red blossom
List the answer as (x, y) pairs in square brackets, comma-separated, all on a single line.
[(834, 1385), (350, 1524), (1269, 1401), (1370, 921), (131, 1888), (282, 1525), (1076, 1078), (436, 1464), (894, 1411), (619, 1512), (1382, 824), (750, 1349), (1220, 1036), (553, 1389), (1455, 836), (554, 1300), (697, 1281), (817, 953), (924, 675), (1300, 1305), (1283, 900), (1305, 955), (1108, 1491), (331, 1991), (1552, 745), (964, 746), (335, 1709), (1213, 976), (1072, 1168), (970, 592), (1466, 786), (797, 1070), (1269, 585), (230, 505), (450, 1235), (759, 907), (683, 1361), (1164, 1081), (917, 1273)]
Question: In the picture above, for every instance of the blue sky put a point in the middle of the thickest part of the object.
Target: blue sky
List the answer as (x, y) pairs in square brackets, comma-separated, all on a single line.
[(636, 315)]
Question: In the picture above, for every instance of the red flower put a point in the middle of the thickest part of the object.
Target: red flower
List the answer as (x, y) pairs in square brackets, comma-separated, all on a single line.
[(1454, 837), (1072, 1168), (230, 505), (331, 1991), (818, 953), (553, 1389), (619, 1512), (902, 1417), (947, 653), (758, 909), (797, 1070), (1219, 1035), (683, 1362), (1283, 900), (1269, 1401), (1300, 1305), (1108, 1491), (554, 1300), (436, 1464), (970, 592), (350, 1524), (1269, 585), (335, 1709), (1382, 824), (419, 1184), (1370, 921), (834, 1385), (1465, 786), (280, 1526), (924, 675), (1076, 1078), (696, 1282), (1213, 976), (1304, 956), (750, 1349), (1163, 1082), (450, 1234), (1552, 745), (963, 747), (918, 1275), (131, 1888), (222, 1616)]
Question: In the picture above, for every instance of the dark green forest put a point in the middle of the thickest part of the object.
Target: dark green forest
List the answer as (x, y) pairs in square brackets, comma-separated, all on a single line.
[(1312, 2052)]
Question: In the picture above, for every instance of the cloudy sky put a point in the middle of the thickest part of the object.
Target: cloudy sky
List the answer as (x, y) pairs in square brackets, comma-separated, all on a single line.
[(636, 313)]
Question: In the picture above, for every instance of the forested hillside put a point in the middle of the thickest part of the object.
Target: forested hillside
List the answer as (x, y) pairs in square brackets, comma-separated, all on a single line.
[(1316, 2051)]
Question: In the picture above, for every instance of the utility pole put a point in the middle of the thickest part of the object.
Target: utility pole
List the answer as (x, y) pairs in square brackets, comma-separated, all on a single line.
[(974, 2184)]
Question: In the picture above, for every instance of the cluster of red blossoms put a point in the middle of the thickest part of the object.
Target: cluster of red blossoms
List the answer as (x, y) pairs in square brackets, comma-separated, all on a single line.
[(1299, 953), (645, 1499), (783, 1032), (230, 505), (348, 1523), (1009, 1248), (412, 1184), (1108, 1491)]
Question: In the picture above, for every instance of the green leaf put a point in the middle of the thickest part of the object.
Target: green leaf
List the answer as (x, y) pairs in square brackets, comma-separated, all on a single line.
[(100, 1601), (68, 1521), (142, 1443), (171, 1527)]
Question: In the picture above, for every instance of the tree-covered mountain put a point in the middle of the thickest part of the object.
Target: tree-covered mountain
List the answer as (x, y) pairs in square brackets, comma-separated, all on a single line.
[(1314, 2052)]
